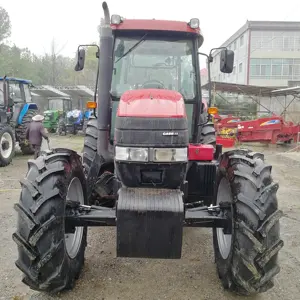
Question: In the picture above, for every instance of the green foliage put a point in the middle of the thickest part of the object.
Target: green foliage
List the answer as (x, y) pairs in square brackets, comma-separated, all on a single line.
[(51, 68), (5, 25)]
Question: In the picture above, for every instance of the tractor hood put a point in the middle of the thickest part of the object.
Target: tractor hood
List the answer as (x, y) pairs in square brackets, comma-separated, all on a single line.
[(152, 103), (48, 112), (152, 122)]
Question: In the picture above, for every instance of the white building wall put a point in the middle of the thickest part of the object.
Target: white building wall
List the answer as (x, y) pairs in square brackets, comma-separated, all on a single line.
[(240, 46), (273, 56)]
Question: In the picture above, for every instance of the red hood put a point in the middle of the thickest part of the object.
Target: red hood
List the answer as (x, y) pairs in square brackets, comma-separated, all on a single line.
[(153, 103)]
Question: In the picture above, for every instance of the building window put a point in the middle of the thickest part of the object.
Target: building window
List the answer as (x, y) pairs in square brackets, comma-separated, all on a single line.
[(276, 70), (240, 68), (234, 45), (265, 70), (241, 40), (268, 68), (234, 70), (275, 40)]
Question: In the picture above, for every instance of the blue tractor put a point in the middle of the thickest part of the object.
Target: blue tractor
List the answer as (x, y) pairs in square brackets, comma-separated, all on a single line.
[(74, 121), (16, 112)]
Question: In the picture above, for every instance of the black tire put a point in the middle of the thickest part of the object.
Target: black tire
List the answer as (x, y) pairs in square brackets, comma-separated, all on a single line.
[(207, 132), (8, 138), (84, 126), (90, 144), (251, 264), (40, 236), (61, 127), (21, 132)]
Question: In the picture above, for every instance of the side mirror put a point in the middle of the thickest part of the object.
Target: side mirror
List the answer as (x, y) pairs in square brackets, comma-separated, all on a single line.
[(226, 61), (80, 60)]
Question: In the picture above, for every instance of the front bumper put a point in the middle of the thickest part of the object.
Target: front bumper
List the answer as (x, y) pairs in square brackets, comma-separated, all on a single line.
[(149, 221)]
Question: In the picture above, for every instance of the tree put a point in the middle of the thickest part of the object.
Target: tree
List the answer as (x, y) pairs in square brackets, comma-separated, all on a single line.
[(5, 25)]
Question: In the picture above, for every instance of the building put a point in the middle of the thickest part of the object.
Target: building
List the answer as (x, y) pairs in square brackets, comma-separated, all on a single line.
[(267, 53)]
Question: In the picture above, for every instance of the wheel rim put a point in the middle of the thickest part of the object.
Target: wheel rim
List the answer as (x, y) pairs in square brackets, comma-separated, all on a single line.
[(6, 145), (224, 240), (73, 240)]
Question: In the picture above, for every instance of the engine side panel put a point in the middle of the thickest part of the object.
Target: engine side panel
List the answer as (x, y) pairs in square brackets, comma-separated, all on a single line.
[(149, 223)]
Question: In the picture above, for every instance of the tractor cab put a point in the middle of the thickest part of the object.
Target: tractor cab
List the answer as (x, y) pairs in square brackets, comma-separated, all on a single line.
[(165, 61), (59, 104), (19, 98)]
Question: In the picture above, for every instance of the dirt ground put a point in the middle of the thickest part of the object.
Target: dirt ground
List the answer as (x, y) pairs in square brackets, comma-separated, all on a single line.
[(192, 277)]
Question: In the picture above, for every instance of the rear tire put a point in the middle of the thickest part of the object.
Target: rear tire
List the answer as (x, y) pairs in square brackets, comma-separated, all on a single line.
[(26, 148), (84, 126), (7, 145), (47, 258), (207, 132), (90, 144), (247, 259), (61, 127)]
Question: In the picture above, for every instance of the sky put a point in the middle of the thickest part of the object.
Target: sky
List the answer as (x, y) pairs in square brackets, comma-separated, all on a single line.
[(35, 23)]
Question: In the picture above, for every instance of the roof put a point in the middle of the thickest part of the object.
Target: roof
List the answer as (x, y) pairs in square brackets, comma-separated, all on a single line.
[(240, 89), (60, 98), (48, 91), (287, 91), (161, 25), (263, 25), (25, 81)]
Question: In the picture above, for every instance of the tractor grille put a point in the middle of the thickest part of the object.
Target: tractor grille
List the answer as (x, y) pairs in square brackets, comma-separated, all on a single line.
[(201, 179)]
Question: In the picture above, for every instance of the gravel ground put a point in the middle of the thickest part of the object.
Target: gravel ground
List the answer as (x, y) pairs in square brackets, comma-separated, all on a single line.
[(192, 277)]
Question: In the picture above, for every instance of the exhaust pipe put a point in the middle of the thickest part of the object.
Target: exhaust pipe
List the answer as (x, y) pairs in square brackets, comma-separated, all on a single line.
[(104, 85)]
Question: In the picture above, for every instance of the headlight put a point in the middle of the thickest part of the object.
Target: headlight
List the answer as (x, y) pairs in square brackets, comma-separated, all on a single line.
[(131, 154), (170, 154), (153, 154)]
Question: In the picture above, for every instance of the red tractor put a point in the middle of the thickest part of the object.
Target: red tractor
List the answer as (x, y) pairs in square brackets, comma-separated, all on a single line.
[(150, 166)]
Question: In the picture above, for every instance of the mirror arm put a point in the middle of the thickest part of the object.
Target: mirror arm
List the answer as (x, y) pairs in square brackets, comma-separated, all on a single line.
[(89, 45), (209, 60)]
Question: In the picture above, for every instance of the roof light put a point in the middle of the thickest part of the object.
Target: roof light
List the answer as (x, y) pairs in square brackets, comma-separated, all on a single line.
[(194, 23), (116, 19)]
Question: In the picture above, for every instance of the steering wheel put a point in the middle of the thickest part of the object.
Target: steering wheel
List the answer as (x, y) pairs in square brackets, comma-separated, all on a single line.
[(153, 84)]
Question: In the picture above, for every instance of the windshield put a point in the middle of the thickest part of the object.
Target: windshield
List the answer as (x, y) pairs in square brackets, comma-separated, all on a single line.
[(1, 93), (153, 63), (56, 104)]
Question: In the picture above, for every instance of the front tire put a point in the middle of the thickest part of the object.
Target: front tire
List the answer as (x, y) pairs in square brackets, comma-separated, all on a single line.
[(50, 260), (7, 145), (247, 259)]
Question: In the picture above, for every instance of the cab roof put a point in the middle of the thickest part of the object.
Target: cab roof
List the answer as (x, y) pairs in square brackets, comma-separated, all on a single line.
[(20, 80), (161, 25)]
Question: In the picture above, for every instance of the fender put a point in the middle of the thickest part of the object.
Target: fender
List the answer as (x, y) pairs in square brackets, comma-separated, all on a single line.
[(87, 114), (24, 110)]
